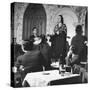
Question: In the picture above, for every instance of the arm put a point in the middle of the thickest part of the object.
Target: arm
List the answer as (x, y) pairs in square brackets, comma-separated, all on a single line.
[(17, 65)]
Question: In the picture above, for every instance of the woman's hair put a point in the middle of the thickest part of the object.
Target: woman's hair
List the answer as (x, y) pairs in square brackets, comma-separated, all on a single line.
[(62, 21), (34, 28)]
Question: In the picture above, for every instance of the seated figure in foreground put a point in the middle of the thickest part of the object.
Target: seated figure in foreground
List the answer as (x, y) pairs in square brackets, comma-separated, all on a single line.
[(31, 61), (78, 53)]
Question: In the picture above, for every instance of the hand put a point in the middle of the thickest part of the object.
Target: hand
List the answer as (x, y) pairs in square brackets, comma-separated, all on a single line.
[(14, 69), (21, 67)]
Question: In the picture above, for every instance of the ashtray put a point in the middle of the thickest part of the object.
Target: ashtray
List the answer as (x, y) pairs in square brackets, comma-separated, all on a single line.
[(46, 73)]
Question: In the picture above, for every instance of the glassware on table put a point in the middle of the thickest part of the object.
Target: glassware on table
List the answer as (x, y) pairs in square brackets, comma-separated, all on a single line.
[(63, 72)]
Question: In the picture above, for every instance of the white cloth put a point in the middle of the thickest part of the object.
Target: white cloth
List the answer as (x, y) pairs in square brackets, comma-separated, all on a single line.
[(45, 77)]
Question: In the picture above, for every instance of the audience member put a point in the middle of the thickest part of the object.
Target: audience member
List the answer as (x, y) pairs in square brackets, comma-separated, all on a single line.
[(59, 41), (31, 61)]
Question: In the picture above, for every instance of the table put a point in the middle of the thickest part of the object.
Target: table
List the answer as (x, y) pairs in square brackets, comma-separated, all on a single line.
[(46, 78)]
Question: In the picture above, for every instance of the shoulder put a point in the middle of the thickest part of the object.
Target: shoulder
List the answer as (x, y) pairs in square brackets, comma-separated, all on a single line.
[(64, 25), (32, 36), (74, 37), (20, 57), (35, 52)]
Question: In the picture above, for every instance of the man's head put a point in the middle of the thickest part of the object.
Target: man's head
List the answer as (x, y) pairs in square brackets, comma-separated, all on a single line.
[(28, 45), (79, 29)]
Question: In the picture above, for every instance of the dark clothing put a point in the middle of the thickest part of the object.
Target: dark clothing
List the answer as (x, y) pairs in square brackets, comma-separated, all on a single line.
[(15, 51), (32, 62), (84, 54), (80, 54), (78, 43), (35, 47), (31, 38), (59, 44), (45, 51)]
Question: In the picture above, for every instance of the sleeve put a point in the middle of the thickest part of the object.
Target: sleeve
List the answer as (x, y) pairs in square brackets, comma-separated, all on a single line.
[(75, 59), (65, 28), (72, 41), (18, 62)]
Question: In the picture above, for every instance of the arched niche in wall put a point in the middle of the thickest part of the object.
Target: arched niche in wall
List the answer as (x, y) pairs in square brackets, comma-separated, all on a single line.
[(34, 16), (70, 19)]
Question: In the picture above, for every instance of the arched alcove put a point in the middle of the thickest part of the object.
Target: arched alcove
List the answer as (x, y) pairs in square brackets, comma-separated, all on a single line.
[(34, 16), (70, 19)]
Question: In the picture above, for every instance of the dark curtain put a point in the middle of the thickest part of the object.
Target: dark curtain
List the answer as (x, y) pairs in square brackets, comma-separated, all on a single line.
[(34, 16)]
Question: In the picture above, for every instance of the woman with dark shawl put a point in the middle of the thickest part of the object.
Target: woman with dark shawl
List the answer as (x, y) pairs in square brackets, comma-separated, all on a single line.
[(59, 41)]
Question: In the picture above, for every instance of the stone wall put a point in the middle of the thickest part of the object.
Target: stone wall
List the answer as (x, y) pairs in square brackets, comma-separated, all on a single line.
[(52, 11), (18, 20)]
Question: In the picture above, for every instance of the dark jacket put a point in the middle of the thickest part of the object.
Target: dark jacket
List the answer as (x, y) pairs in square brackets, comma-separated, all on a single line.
[(32, 61), (58, 45), (78, 43)]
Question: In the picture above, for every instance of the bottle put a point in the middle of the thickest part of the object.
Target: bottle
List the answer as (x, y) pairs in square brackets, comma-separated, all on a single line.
[(60, 68)]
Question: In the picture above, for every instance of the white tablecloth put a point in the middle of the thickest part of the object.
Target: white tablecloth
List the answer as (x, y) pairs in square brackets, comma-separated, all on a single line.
[(45, 77)]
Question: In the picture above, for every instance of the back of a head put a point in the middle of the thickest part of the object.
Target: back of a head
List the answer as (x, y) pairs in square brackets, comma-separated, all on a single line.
[(28, 45), (79, 29)]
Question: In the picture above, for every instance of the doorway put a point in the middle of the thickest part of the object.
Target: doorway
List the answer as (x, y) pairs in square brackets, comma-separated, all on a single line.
[(34, 16)]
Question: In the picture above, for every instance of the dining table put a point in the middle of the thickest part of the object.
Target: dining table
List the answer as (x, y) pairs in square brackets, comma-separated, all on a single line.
[(49, 78)]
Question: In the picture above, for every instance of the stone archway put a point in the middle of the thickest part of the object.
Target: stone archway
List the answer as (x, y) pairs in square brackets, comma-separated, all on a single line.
[(34, 16), (70, 19)]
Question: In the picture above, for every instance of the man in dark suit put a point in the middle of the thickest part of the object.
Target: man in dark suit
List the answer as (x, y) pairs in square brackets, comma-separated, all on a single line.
[(31, 61), (78, 54), (79, 42)]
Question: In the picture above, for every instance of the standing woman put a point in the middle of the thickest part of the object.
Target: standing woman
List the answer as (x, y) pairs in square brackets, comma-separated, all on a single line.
[(59, 41)]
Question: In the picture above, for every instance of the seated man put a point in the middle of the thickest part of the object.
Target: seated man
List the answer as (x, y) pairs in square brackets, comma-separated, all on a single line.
[(73, 59), (31, 61)]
